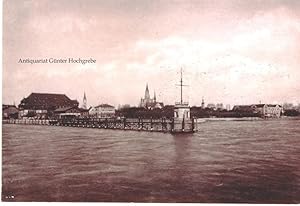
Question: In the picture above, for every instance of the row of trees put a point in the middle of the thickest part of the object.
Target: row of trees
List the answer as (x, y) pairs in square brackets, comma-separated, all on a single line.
[(291, 112), (140, 112), (168, 112), (197, 112)]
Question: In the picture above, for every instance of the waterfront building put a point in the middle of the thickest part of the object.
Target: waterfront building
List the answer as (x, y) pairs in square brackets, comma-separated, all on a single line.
[(264, 110), (148, 102), (42, 105), (269, 110), (9, 111), (68, 112), (102, 111)]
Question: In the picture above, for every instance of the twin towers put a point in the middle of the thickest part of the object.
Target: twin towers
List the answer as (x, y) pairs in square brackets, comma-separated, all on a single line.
[(147, 102)]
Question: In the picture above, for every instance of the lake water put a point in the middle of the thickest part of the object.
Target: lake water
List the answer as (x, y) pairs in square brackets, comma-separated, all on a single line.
[(230, 161)]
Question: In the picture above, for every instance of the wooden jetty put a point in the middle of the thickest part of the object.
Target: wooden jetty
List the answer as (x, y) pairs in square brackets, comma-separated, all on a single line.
[(27, 121), (158, 125), (152, 125)]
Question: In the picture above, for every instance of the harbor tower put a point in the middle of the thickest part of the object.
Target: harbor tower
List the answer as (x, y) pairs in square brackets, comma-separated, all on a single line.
[(183, 123)]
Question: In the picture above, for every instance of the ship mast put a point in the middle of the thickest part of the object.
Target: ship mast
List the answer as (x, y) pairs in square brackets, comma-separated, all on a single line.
[(181, 85)]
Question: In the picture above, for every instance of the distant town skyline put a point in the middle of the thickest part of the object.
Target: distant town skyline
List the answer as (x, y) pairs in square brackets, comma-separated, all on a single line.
[(232, 52)]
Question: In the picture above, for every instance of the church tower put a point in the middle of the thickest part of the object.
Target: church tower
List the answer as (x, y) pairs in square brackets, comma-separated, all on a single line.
[(202, 104), (148, 102), (84, 105), (147, 94)]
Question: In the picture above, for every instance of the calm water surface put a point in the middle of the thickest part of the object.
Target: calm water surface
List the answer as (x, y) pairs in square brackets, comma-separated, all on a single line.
[(251, 161)]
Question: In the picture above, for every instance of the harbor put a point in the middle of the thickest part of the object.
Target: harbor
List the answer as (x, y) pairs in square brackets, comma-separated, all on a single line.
[(72, 116)]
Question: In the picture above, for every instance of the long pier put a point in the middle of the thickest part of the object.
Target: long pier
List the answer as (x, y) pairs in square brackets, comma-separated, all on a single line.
[(139, 124)]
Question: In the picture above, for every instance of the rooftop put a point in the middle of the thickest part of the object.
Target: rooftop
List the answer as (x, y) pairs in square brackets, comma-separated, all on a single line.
[(46, 101)]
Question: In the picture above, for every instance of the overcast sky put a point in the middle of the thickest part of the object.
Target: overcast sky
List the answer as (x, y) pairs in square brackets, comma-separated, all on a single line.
[(234, 52)]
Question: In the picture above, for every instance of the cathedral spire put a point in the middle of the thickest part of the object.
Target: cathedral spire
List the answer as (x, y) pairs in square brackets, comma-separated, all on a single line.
[(147, 94), (154, 97)]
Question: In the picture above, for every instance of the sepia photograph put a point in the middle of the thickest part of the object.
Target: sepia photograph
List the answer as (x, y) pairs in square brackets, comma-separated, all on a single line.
[(151, 101)]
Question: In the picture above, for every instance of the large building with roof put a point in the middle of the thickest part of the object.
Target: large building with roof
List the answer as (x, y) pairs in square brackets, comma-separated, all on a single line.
[(42, 105), (269, 110)]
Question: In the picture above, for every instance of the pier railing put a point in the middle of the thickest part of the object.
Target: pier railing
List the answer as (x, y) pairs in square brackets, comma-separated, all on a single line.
[(27, 121), (139, 124), (161, 125)]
